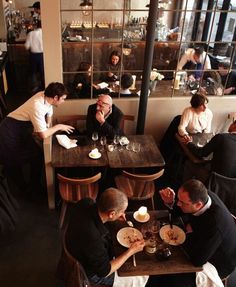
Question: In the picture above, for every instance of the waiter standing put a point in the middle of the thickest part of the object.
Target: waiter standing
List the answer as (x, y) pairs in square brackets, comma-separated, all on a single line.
[(21, 131)]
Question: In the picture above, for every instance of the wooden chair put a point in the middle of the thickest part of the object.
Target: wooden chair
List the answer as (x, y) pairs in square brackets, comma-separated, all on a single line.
[(138, 187), (74, 189), (124, 119), (77, 121), (70, 270)]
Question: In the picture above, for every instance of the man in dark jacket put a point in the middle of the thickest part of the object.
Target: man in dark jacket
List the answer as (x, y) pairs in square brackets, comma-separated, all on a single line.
[(104, 118), (210, 230), (89, 241)]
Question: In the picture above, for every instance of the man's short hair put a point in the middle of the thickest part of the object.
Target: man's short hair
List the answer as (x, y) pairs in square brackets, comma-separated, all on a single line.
[(112, 199), (197, 100), (224, 64), (126, 81), (55, 89), (196, 190), (199, 49)]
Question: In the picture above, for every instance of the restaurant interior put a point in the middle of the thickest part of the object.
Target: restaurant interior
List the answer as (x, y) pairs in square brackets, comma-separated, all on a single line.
[(151, 36)]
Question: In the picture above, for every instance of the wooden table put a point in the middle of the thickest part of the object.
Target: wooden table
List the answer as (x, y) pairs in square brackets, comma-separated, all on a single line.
[(149, 155), (199, 139), (77, 156), (57, 156), (148, 264)]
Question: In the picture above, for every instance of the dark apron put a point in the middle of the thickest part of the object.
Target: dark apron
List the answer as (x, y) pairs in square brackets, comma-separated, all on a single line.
[(17, 145)]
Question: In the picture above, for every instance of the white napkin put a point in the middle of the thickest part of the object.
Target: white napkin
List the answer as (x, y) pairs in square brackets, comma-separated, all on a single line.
[(208, 277), (103, 85), (130, 281), (66, 142)]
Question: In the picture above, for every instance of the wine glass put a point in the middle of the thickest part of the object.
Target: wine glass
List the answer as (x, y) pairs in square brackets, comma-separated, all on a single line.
[(122, 142), (94, 138), (103, 142), (116, 141)]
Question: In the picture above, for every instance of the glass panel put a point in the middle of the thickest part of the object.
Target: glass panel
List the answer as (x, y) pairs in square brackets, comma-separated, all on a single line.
[(121, 27), (108, 28)]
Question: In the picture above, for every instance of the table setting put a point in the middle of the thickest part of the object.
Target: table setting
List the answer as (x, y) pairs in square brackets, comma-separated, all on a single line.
[(163, 253)]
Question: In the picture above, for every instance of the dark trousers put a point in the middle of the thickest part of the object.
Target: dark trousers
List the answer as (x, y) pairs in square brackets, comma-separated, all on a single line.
[(37, 68)]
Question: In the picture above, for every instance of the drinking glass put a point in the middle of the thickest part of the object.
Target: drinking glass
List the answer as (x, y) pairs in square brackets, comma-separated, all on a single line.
[(136, 147), (116, 141), (94, 138), (103, 142), (122, 142)]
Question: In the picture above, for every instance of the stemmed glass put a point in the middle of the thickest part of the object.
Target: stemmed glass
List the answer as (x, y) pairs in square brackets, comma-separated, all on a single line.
[(122, 142), (94, 138), (116, 141), (103, 142)]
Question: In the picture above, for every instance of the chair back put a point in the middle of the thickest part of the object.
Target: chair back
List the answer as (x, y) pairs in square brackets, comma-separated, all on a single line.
[(77, 121), (74, 189), (138, 186), (225, 188), (70, 270), (124, 119)]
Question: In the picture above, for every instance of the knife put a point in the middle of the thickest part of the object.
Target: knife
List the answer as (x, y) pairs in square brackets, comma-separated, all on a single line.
[(170, 220)]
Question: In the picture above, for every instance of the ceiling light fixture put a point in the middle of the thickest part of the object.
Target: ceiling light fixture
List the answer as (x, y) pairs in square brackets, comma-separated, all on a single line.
[(86, 7)]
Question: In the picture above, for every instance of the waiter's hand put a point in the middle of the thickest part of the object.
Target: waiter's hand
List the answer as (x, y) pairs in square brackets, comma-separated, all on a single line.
[(186, 139), (66, 128), (100, 117)]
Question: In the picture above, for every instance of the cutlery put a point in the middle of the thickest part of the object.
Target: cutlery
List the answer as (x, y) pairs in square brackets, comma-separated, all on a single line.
[(134, 261), (170, 220)]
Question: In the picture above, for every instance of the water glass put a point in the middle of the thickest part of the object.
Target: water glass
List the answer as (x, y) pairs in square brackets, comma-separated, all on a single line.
[(122, 142), (95, 137), (103, 142), (136, 147), (116, 141)]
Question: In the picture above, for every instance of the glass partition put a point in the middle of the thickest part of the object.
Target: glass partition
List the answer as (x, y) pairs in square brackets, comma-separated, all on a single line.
[(192, 39)]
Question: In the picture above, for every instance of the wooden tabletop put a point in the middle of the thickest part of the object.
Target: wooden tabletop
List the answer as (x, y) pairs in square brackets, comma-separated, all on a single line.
[(149, 155), (148, 264), (77, 156), (199, 139)]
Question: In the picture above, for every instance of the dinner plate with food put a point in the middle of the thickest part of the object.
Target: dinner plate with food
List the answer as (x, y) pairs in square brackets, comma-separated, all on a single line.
[(172, 236), (128, 235)]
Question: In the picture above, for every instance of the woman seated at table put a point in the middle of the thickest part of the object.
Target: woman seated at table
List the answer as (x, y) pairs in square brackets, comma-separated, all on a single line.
[(113, 66), (82, 82), (125, 85), (197, 118)]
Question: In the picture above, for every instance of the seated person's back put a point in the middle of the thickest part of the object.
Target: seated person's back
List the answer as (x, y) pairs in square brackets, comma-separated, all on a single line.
[(82, 82), (125, 85)]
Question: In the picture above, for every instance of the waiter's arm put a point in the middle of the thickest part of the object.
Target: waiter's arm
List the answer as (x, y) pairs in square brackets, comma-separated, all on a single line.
[(52, 130)]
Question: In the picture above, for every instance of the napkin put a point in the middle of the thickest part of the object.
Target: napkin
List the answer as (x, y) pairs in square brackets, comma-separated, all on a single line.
[(208, 277), (103, 85), (66, 142), (130, 281)]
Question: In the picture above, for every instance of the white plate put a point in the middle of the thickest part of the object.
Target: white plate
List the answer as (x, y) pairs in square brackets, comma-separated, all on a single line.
[(98, 155), (172, 236), (136, 217), (128, 235)]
